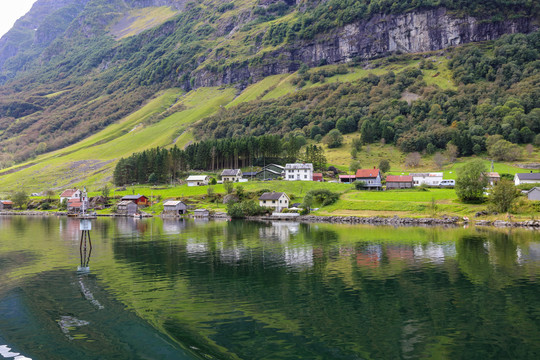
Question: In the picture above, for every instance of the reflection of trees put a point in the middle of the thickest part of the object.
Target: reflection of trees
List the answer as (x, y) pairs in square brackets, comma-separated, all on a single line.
[(408, 305)]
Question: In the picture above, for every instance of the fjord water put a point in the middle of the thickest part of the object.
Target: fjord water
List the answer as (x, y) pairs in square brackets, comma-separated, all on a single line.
[(181, 289)]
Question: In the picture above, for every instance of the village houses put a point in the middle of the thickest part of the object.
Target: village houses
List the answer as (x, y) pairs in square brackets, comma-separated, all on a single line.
[(526, 178), (174, 207), (370, 177), (198, 180), (232, 175), (429, 179), (275, 200), (302, 172), (70, 194)]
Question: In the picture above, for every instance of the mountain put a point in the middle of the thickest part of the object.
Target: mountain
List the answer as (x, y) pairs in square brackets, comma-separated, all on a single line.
[(74, 68)]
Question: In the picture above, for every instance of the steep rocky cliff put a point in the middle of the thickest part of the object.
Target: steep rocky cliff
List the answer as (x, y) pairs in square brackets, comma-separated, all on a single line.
[(381, 35)]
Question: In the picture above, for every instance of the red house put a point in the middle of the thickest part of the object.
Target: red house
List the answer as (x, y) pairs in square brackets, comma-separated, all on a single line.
[(140, 200), (317, 177)]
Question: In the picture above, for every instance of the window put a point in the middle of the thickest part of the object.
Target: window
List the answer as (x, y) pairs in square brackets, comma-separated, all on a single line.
[(273, 201), (305, 176)]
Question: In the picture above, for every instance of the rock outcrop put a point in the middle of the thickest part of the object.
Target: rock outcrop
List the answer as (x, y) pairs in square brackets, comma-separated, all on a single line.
[(382, 35)]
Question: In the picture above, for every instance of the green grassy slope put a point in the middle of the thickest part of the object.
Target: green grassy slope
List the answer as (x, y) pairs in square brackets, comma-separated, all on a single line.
[(165, 120)]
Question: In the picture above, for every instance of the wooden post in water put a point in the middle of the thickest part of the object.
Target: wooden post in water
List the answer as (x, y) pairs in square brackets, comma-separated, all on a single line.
[(85, 243)]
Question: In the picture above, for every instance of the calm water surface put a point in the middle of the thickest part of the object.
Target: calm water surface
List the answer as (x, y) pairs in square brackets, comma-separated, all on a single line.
[(174, 289)]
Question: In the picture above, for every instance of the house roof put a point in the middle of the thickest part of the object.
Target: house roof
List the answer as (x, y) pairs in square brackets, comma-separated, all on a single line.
[(69, 192), (367, 173), (133, 197), (271, 195), (536, 188), (493, 174), (6, 202), (299, 166), (347, 176), (250, 173), (125, 203), (197, 178), (231, 172), (269, 171), (317, 175), (437, 174), (200, 210), (275, 165), (399, 178), (528, 176), (172, 203), (75, 204)]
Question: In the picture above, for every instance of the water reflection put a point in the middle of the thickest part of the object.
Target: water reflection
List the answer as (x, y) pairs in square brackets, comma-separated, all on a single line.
[(283, 290)]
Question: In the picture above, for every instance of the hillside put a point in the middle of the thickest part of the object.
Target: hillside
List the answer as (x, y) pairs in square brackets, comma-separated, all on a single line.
[(116, 77)]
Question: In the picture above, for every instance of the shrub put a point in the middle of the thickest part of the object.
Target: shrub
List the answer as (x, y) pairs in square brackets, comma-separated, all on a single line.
[(334, 138), (471, 181), (359, 185), (239, 210), (502, 196), (323, 196)]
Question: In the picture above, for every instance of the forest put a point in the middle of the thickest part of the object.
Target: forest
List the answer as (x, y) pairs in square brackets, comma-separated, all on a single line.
[(160, 165), (497, 95)]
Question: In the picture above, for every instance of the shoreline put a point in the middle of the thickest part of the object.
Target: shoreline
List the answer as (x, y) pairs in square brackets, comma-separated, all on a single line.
[(351, 220)]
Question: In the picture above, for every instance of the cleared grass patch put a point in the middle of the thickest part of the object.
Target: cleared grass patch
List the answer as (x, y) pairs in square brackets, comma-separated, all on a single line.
[(136, 21)]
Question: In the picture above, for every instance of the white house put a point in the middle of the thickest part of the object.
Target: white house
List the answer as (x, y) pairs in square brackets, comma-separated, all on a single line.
[(233, 175), (370, 177), (430, 179), (197, 180), (303, 172), (70, 194), (275, 200), (526, 178)]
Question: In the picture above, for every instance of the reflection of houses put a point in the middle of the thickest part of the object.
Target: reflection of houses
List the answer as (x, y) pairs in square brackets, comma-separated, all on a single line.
[(271, 171), (280, 231), (174, 208), (232, 175), (302, 172), (370, 177), (399, 182), (370, 256), (275, 200), (6, 205), (126, 207), (298, 257), (430, 179), (526, 178), (70, 194), (173, 226), (434, 253), (140, 200), (198, 180)]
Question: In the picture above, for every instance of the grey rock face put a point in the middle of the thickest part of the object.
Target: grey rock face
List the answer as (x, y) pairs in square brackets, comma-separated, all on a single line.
[(379, 36)]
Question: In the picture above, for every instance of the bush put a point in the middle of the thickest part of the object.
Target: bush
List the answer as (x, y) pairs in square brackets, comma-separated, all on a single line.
[(471, 181), (502, 196), (359, 185), (239, 210), (334, 138), (323, 196)]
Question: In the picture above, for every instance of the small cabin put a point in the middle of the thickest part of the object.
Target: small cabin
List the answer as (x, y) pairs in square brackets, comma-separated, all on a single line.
[(493, 178), (201, 213), (126, 207), (140, 200), (534, 194), (198, 180), (318, 177), (6, 204), (174, 207), (399, 182), (232, 175)]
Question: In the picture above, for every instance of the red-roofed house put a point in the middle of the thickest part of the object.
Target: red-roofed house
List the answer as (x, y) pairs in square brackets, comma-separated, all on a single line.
[(317, 177), (74, 205), (6, 204), (70, 194), (399, 182), (370, 177)]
